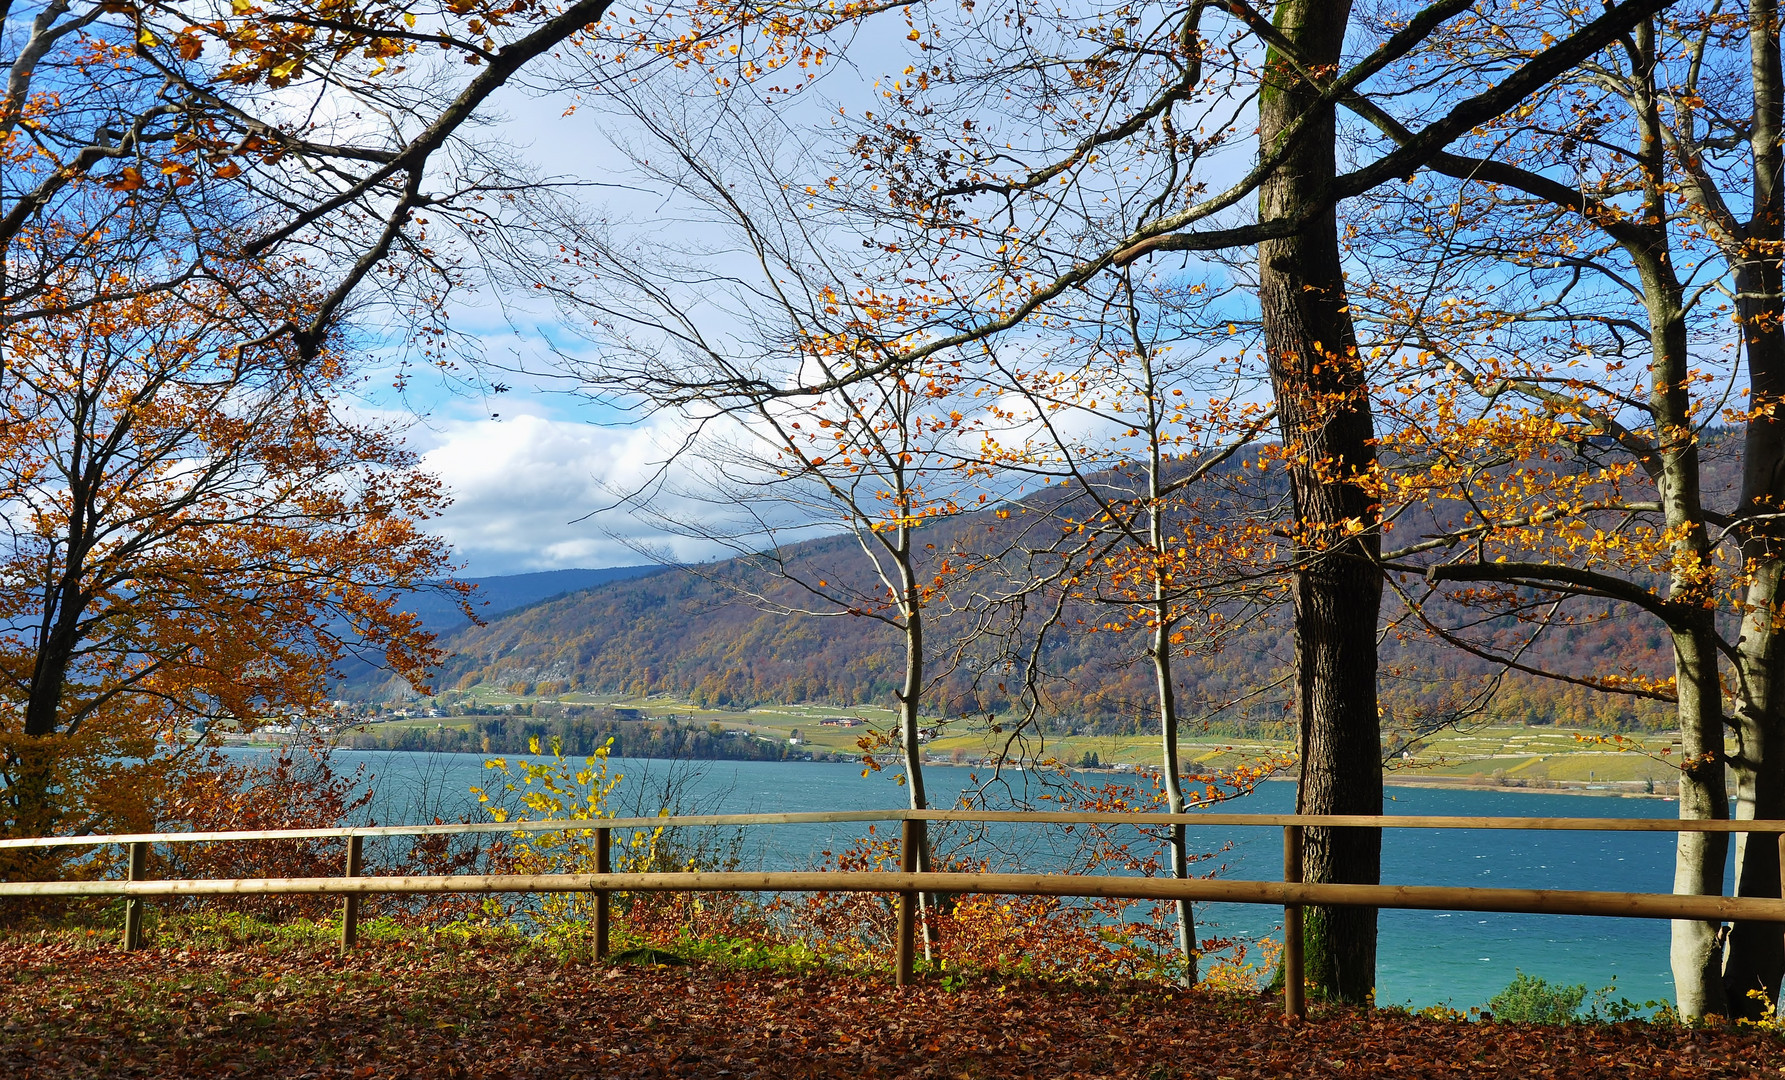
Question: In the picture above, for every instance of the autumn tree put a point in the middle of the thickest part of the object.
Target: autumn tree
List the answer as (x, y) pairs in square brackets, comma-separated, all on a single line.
[(1135, 182), (351, 138), (197, 531), (1591, 196), (1117, 136), (162, 165), (876, 460), (1322, 392), (871, 459), (1722, 171), (1135, 418)]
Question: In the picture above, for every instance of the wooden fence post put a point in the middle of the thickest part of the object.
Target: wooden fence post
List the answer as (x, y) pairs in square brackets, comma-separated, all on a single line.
[(350, 906), (910, 840), (1294, 1004), (603, 865), (133, 906)]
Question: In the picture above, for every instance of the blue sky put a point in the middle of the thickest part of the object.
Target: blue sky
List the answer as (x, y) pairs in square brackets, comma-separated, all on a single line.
[(533, 471)]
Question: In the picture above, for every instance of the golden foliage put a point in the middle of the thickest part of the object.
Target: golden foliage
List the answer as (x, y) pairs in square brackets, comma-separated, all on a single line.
[(197, 533)]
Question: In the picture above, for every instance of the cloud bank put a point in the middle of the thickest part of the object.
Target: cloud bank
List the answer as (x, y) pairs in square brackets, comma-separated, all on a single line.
[(532, 493)]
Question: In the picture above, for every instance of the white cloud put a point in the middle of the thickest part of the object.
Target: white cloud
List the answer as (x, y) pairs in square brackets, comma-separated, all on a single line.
[(535, 493)]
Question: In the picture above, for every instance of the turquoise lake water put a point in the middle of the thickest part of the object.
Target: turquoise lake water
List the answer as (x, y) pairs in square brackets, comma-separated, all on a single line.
[(1460, 959)]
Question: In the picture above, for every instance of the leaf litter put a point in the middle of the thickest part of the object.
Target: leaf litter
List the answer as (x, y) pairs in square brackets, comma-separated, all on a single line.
[(406, 1011)]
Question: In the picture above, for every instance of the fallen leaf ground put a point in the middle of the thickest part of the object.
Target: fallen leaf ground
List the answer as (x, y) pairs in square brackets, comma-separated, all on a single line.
[(78, 1011)]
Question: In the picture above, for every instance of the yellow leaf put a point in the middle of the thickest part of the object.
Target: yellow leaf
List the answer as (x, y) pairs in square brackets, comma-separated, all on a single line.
[(409, 19)]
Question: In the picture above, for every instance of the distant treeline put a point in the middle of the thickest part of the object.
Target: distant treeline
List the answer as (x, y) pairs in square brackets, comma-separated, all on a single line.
[(580, 736)]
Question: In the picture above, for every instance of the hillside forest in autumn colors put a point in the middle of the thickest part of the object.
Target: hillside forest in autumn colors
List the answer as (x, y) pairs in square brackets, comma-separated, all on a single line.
[(691, 635)]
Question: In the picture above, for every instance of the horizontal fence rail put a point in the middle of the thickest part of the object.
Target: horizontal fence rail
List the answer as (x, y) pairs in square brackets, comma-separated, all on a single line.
[(1039, 817), (1417, 897), (907, 884)]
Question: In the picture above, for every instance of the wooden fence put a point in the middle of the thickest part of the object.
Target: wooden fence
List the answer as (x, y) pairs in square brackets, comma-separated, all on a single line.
[(1291, 892)]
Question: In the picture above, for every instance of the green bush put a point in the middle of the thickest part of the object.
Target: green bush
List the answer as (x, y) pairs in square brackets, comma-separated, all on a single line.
[(1530, 1000)]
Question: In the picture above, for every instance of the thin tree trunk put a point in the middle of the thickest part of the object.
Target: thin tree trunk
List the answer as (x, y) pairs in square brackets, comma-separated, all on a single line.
[(1160, 650), (910, 727), (1322, 400), (1755, 956), (910, 700)]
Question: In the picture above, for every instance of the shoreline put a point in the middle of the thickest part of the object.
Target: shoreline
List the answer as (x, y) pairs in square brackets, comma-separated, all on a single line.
[(1550, 787), (1399, 778), (1618, 789)]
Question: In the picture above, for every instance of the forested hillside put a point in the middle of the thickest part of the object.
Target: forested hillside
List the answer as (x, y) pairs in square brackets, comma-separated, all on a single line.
[(676, 633), (494, 596), (692, 633)]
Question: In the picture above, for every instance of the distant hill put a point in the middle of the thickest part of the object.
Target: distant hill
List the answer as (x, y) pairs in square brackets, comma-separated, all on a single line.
[(678, 633), (496, 596), (690, 633), (493, 597)]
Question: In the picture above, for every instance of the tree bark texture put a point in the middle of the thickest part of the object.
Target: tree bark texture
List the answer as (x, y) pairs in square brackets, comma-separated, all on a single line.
[(1324, 412), (1699, 857), (32, 759), (1754, 958)]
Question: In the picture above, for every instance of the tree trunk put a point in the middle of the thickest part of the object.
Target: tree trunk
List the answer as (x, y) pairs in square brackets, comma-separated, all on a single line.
[(1675, 467), (1160, 650), (1324, 411), (1755, 956), (31, 793), (910, 727), (1698, 860), (910, 698)]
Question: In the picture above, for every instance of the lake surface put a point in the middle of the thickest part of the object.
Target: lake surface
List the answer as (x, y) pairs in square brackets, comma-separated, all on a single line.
[(1461, 959)]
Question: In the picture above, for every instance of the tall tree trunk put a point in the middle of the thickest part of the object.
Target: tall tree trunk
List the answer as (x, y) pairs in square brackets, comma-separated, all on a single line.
[(1323, 404), (1755, 956), (1698, 859)]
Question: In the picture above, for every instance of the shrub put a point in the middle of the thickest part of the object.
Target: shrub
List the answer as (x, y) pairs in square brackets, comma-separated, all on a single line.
[(297, 786), (300, 786), (1530, 1000), (558, 790)]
